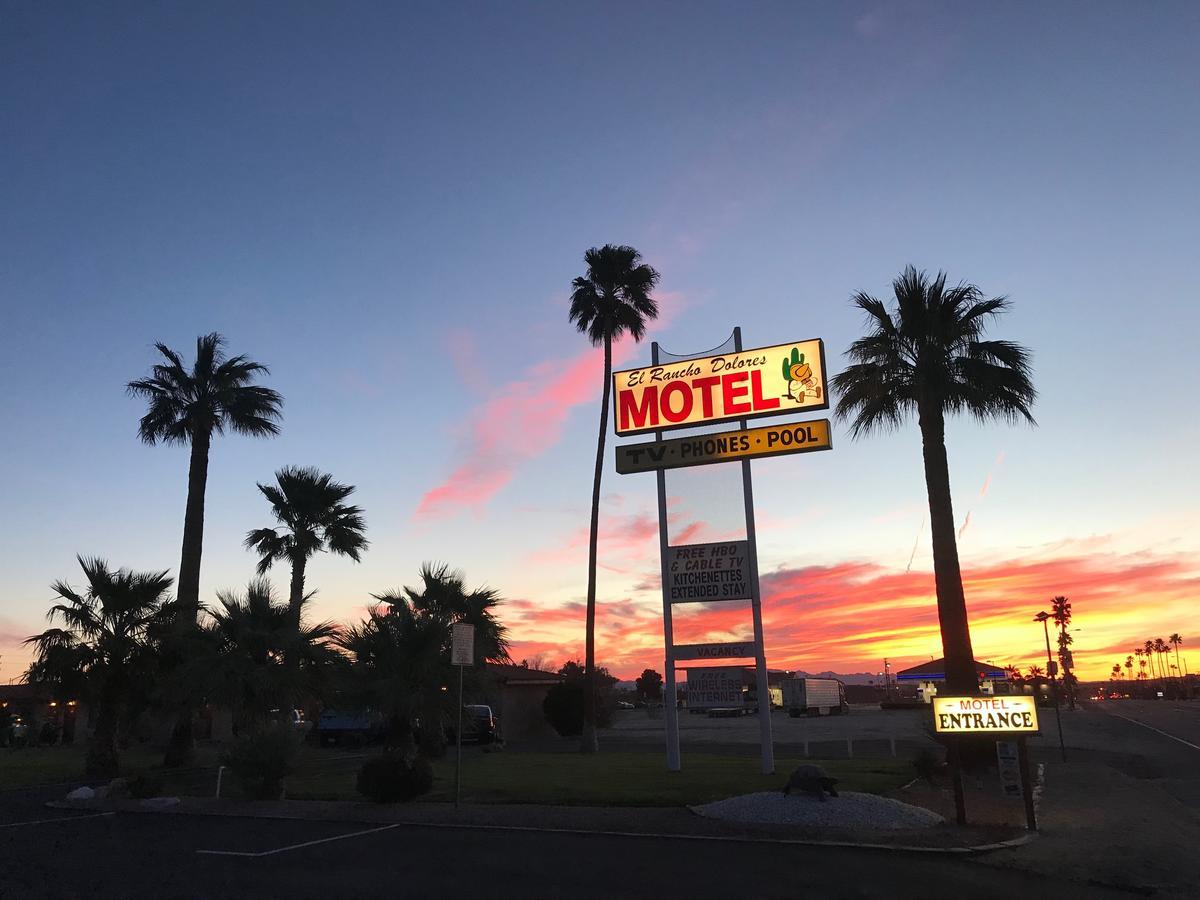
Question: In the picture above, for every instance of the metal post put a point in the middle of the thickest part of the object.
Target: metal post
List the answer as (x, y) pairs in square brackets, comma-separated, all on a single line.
[(960, 800), (670, 701), (458, 741), (1026, 785), (1062, 745), (760, 654)]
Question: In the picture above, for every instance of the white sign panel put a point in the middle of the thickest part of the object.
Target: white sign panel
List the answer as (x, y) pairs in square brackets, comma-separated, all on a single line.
[(739, 650), (462, 645), (716, 687), (699, 573)]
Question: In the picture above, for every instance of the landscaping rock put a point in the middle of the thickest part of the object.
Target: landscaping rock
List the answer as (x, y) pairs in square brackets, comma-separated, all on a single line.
[(82, 793), (811, 780)]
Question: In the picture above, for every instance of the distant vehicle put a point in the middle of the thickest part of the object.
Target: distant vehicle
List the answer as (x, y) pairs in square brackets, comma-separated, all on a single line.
[(624, 704), (479, 724), (814, 697), (346, 726)]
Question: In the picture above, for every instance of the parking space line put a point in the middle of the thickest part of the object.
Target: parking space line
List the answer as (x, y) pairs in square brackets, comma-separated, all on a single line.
[(290, 847), (1159, 730), (56, 819)]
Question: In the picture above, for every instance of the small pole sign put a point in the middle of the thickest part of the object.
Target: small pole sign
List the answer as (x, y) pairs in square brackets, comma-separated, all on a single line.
[(462, 645), (714, 688), (1010, 768), (704, 572)]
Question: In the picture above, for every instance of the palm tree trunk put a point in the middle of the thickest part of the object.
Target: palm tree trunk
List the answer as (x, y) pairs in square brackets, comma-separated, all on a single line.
[(181, 748), (952, 606), (295, 602), (101, 760), (589, 742)]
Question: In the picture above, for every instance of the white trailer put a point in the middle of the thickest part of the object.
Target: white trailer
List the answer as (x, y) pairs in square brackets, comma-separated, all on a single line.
[(814, 697)]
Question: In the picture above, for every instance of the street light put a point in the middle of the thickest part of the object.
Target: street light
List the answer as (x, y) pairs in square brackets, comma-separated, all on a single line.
[(1051, 670)]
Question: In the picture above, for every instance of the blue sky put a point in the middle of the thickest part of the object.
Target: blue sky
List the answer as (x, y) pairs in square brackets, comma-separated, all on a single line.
[(386, 204)]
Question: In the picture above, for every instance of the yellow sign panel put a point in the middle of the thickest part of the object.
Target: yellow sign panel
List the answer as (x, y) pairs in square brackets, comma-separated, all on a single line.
[(724, 446), (767, 381), (982, 715)]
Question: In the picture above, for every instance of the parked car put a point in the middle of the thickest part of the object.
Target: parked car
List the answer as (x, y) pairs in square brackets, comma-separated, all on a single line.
[(480, 725)]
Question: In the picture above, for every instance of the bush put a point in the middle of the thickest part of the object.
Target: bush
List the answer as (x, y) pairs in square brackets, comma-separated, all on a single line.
[(392, 778), (563, 708), (261, 761), (142, 787)]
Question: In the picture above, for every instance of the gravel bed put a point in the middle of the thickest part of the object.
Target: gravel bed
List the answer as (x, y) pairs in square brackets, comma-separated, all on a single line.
[(848, 810)]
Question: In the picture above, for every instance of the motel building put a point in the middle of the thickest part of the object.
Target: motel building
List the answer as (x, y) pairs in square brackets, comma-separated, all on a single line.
[(930, 678)]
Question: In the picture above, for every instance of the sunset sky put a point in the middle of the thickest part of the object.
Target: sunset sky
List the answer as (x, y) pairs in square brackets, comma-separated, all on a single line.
[(386, 203)]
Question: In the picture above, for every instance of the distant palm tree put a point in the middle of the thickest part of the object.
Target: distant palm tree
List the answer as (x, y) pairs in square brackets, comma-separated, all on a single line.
[(1035, 671), (105, 646), (1175, 640), (1013, 672), (1162, 648), (400, 654), (611, 300), (929, 357), (190, 406), (309, 505), (1060, 608), (250, 637), (1129, 667), (1148, 650), (1116, 670)]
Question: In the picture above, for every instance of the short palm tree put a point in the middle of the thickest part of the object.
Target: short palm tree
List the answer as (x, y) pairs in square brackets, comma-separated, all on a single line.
[(309, 505), (611, 300), (250, 636), (401, 653), (929, 357), (104, 647), (1035, 671)]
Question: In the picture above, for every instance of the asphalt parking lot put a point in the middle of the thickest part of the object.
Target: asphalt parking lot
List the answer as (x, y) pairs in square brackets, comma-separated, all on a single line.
[(66, 855)]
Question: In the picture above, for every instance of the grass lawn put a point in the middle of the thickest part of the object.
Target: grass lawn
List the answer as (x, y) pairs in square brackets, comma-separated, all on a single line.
[(606, 779), (50, 765)]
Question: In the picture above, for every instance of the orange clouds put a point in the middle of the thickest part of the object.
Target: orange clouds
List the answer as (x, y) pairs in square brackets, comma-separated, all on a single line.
[(848, 616)]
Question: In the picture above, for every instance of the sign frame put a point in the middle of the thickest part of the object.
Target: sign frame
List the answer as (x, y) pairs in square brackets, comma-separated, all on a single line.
[(943, 706), (462, 644), (728, 417)]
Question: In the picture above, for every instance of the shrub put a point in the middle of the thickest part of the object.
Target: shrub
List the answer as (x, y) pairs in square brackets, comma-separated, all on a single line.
[(392, 778), (261, 761), (563, 708), (142, 787)]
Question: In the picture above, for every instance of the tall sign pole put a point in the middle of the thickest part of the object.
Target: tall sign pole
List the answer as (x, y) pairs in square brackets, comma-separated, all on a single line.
[(462, 654), (760, 654), (670, 700)]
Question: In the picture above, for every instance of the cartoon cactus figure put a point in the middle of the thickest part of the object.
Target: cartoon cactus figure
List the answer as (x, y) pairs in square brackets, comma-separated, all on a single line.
[(796, 369)]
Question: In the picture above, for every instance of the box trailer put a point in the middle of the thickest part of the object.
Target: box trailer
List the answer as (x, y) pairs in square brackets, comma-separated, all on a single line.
[(814, 697)]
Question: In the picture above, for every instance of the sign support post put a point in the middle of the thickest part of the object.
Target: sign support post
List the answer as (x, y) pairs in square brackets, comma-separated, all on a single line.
[(760, 654), (462, 654), (670, 699), (1026, 784)]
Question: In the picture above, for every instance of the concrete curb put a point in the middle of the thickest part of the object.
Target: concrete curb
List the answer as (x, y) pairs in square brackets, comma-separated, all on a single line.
[(135, 806)]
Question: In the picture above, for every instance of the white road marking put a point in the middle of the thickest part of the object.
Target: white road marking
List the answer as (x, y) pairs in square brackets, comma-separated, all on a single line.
[(1159, 730), (56, 819), (290, 847)]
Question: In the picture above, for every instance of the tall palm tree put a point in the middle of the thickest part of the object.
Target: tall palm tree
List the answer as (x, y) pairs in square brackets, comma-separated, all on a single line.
[(189, 406), (1162, 648), (104, 646), (1129, 668), (1175, 640), (1060, 610), (1116, 670), (401, 652), (250, 636), (1148, 650), (929, 357), (308, 504), (611, 300)]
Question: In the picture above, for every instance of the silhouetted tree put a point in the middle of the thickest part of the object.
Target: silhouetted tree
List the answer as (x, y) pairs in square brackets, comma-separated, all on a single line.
[(611, 300), (929, 357)]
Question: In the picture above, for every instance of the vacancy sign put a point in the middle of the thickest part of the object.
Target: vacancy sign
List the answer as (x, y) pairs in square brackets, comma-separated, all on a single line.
[(698, 573), (462, 645), (984, 715), (768, 381)]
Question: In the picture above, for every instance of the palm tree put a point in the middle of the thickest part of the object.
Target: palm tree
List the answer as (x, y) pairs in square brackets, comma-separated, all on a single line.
[(611, 300), (104, 647), (1175, 640), (1129, 668), (1035, 671), (215, 396), (929, 357), (401, 652), (250, 636), (308, 504), (1148, 650), (1060, 609), (1162, 648), (1013, 672), (1116, 670)]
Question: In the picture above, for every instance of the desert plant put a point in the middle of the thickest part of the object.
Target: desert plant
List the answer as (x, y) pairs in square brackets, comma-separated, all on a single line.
[(394, 778), (261, 761)]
